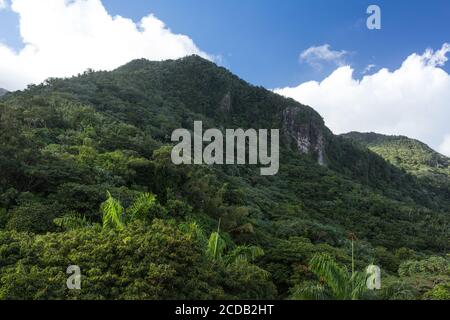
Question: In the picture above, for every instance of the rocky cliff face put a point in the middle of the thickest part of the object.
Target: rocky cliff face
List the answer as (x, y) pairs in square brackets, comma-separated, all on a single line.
[(306, 133), (204, 89)]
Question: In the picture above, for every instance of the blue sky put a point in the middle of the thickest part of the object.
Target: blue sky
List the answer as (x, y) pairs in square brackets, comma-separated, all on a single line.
[(260, 40), (314, 51)]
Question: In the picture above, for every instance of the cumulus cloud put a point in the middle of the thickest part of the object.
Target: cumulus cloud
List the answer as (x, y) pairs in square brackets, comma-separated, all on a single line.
[(369, 68), (315, 56), (65, 37), (413, 100), (3, 4)]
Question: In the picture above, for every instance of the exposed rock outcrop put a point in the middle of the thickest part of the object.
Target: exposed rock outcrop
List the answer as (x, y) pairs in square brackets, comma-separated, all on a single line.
[(305, 133)]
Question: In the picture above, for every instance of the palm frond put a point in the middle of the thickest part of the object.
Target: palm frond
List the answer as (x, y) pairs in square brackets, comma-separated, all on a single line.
[(113, 213), (194, 229), (336, 277), (247, 253), (216, 246), (359, 285), (71, 221), (141, 206), (312, 292)]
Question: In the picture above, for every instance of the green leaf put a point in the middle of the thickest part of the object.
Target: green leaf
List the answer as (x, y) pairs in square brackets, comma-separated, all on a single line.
[(113, 213)]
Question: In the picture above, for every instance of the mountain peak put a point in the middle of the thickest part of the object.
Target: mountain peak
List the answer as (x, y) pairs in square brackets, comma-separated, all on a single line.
[(143, 63)]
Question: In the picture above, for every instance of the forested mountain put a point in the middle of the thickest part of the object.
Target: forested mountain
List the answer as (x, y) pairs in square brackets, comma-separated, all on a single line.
[(415, 157), (409, 154), (3, 92), (74, 153)]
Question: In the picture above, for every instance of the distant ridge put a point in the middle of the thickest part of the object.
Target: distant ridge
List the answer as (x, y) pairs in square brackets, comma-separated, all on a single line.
[(409, 154)]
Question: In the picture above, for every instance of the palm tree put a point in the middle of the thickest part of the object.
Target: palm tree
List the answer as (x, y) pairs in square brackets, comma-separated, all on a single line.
[(217, 246), (336, 282), (244, 253), (113, 213), (141, 206), (116, 217)]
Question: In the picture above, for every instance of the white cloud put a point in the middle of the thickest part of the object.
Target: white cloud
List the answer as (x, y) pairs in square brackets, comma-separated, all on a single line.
[(369, 68), (438, 58), (315, 56), (66, 37), (444, 148), (3, 4), (413, 100)]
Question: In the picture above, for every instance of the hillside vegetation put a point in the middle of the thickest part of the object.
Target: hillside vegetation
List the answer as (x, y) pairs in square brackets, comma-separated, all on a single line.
[(409, 154), (86, 179)]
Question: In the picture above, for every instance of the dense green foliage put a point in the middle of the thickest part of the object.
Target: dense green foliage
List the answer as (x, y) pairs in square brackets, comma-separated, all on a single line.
[(338, 284), (86, 179), (156, 261), (415, 157), (409, 154)]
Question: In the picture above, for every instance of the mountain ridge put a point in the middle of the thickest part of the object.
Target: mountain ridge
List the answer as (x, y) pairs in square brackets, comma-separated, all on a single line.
[(373, 140), (406, 153), (200, 90)]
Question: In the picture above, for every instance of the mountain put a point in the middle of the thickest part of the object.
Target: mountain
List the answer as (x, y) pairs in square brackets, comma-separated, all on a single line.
[(66, 143), (409, 154), (3, 92)]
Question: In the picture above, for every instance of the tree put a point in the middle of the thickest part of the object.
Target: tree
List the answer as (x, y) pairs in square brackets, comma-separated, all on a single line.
[(113, 213), (336, 283), (439, 292), (217, 246), (115, 216)]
